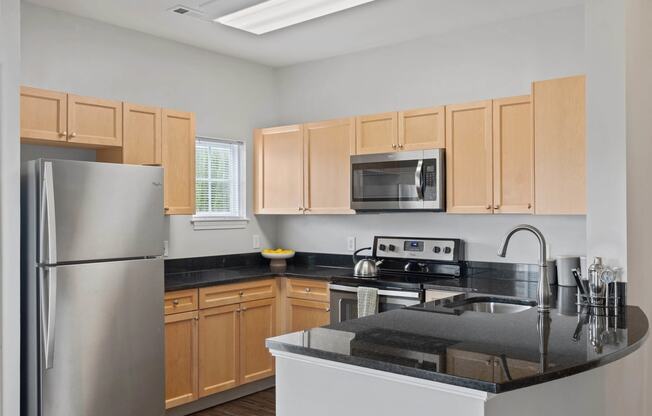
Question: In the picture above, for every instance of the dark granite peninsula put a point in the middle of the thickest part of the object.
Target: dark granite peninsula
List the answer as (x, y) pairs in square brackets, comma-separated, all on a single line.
[(451, 348)]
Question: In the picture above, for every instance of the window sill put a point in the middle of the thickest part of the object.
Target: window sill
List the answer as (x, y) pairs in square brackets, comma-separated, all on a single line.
[(200, 223)]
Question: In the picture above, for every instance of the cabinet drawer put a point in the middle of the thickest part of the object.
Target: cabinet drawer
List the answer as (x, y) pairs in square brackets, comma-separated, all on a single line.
[(180, 301), (308, 289), (221, 295)]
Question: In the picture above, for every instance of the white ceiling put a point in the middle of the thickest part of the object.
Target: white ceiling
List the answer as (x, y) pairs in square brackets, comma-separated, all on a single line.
[(379, 23)]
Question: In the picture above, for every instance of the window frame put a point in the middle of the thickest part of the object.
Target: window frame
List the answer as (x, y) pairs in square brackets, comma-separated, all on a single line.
[(212, 222)]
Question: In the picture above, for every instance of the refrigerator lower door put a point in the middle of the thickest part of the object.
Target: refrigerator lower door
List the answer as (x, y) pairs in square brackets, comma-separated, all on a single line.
[(96, 211), (108, 340)]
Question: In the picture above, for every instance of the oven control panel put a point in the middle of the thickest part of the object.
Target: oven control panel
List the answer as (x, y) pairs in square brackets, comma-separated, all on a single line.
[(439, 249)]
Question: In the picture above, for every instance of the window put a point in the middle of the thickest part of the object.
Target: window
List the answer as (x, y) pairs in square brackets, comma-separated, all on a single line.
[(219, 188)]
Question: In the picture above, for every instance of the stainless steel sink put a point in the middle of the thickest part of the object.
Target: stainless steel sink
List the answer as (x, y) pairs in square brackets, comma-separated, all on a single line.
[(492, 305)]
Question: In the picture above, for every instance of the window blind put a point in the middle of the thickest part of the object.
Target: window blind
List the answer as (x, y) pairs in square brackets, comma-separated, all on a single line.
[(218, 180)]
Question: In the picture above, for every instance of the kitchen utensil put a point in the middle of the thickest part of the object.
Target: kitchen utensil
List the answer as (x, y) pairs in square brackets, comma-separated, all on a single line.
[(564, 266), (366, 267), (579, 282), (552, 271), (596, 286)]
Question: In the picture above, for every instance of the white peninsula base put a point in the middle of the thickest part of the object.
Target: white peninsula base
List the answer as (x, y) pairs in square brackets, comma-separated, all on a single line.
[(316, 387)]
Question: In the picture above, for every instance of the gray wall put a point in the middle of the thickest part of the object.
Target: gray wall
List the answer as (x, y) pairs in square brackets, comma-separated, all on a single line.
[(484, 62), (229, 96), (9, 207)]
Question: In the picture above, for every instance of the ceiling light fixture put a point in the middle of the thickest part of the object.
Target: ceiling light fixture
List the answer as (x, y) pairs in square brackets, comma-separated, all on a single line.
[(272, 15)]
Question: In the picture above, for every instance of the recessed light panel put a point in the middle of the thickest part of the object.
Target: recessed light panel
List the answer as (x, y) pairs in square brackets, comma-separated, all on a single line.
[(272, 15)]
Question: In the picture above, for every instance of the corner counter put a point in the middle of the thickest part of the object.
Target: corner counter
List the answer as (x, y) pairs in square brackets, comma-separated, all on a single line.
[(434, 358)]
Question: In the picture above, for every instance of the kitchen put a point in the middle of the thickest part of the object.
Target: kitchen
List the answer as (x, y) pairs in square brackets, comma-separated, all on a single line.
[(293, 76)]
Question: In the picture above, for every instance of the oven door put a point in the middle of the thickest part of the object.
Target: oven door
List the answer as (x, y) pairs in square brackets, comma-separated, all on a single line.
[(398, 181), (344, 301)]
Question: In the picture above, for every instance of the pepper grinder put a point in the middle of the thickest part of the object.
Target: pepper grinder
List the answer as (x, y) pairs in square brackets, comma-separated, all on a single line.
[(596, 285)]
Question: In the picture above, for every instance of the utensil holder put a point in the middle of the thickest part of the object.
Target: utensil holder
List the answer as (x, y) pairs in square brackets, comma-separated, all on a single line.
[(607, 305)]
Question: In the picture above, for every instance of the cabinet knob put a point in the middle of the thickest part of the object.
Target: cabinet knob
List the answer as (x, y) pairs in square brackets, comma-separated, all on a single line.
[(490, 361), (328, 309), (393, 146), (529, 206), (400, 146), (63, 134), (241, 293), (73, 134), (243, 309), (488, 207), (175, 302), (237, 310), (301, 208), (496, 206), (307, 289)]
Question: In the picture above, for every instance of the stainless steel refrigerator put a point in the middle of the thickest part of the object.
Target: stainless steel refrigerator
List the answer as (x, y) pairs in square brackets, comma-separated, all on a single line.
[(92, 289)]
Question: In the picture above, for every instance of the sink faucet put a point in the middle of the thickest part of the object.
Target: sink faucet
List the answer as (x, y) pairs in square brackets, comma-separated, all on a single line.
[(543, 289)]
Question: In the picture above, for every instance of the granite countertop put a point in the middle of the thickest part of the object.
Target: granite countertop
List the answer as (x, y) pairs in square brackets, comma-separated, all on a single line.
[(443, 342), (210, 277)]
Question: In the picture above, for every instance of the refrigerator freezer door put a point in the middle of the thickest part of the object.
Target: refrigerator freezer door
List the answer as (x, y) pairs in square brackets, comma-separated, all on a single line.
[(98, 211), (108, 341)]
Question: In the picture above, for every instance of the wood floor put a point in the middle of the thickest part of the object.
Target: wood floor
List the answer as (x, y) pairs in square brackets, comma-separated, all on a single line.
[(258, 404)]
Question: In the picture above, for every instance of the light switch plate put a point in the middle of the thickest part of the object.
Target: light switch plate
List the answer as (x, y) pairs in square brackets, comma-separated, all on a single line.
[(256, 241), (350, 243)]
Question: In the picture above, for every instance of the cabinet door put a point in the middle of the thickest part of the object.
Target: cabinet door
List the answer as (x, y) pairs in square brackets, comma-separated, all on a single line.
[(376, 133), (257, 323), (469, 172), (94, 122), (513, 144), (560, 146), (218, 349), (142, 135), (422, 129), (178, 156), (306, 314), (43, 115), (180, 358), (278, 170), (327, 166), (470, 364)]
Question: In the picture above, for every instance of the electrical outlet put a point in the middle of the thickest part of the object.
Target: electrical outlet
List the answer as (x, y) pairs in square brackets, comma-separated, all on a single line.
[(166, 248), (256, 241), (350, 243)]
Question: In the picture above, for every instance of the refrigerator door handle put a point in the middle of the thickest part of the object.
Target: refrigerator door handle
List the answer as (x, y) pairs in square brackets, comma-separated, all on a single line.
[(48, 216), (48, 306)]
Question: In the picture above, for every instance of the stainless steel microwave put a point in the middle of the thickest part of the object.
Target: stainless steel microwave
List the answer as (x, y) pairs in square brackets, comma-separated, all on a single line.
[(410, 181)]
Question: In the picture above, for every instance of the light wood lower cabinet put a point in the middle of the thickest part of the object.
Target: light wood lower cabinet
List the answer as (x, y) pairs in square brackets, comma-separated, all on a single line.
[(257, 323), (219, 349), (181, 358), (306, 314)]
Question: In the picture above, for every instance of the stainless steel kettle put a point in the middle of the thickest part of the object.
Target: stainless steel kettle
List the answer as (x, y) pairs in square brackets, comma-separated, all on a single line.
[(365, 267)]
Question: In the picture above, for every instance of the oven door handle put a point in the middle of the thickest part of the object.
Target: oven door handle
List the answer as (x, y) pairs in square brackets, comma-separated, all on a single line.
[(381, 292)]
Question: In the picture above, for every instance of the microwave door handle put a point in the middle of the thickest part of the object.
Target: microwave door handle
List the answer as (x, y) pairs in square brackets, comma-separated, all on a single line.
[(418, 179)]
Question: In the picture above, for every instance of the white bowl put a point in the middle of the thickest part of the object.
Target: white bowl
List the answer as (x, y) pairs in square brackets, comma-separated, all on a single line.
[(278, 255)]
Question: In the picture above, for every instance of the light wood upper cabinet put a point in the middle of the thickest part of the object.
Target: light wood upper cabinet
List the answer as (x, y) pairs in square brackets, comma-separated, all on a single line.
[(306, 314), (43, 115), (142, 135), (327, 166), (469, 168), (560, 145), (422, 129), (513, 159), (178, 157), (278, 170), (94, 121), (377, 133), (257, 323), (181, 361), (219, 349)]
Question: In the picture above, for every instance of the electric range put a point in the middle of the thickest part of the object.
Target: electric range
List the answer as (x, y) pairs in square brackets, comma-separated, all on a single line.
[(408, 264)]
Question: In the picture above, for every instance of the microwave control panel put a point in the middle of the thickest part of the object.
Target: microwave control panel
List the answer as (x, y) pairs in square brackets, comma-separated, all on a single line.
[(439, 249)]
